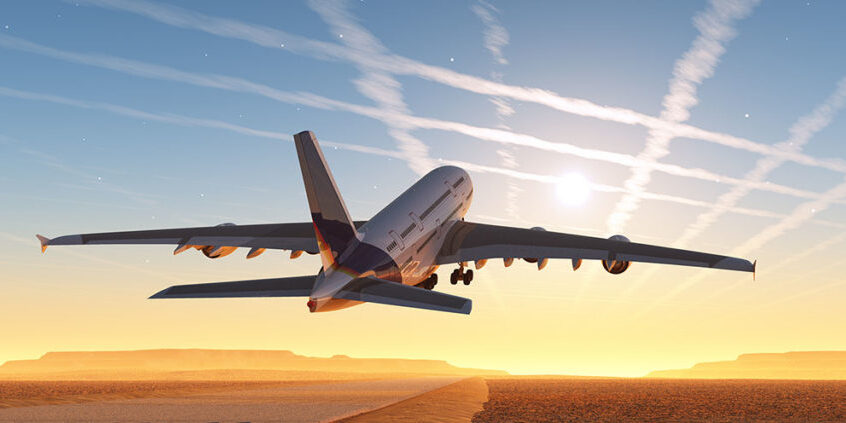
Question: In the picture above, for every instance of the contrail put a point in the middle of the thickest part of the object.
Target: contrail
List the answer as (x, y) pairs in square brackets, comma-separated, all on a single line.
[(799, 216), (800, 256), (716, 28), (280, 40), (794, 259), (800, 132), (215, 124), (805, 292), (101, 185), (312, 100), (376, 84), (495, 39)]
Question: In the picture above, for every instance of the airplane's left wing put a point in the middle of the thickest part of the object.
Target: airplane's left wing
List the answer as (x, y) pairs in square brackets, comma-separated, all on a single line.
[(282, 236), (467, 241)]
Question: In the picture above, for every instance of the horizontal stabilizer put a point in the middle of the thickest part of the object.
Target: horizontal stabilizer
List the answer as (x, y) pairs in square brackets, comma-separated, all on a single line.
[(298, 286), (373, 290)]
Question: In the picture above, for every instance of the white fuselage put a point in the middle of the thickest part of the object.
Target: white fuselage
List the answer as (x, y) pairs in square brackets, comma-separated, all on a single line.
[(407, 236)]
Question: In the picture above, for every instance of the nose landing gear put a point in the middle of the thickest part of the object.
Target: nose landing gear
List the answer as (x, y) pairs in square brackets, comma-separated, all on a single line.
[(461, 275)]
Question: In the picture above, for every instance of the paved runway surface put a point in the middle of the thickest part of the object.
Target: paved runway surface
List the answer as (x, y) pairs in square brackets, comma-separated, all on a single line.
[(310, 403)]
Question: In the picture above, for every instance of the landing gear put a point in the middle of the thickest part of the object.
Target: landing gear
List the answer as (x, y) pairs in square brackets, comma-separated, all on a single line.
[(461, 275), (430, 282)]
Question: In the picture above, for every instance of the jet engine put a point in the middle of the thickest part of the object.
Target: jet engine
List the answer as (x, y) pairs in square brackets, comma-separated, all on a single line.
[(213, 252), (612, 266), (540, 261)]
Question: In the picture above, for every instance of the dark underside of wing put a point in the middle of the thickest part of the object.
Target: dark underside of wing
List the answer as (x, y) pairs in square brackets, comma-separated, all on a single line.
[(284, 236), (297, 286), (467, 241)]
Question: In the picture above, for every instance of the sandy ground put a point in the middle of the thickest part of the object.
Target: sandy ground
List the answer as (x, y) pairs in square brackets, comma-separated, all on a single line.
[(27, 393), (451, 404), (663, 400), (305, 403)]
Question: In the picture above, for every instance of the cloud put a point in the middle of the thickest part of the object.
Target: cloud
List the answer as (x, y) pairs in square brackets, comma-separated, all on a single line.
[(800, 215), (398, 65), (215, 124), (495, 35), (495, 38), (96, 184), (716, 28), (800, 132), (376, 84), (383, 114)]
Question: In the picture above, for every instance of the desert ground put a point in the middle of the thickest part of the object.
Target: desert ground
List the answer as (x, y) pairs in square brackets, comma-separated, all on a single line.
[(215, 401), (662, 400), (428, 399)]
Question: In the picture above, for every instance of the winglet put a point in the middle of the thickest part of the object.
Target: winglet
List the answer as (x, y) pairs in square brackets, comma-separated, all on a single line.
[(44, 242)]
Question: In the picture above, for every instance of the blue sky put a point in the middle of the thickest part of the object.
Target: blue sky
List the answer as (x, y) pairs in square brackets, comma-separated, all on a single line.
[(118, 115)]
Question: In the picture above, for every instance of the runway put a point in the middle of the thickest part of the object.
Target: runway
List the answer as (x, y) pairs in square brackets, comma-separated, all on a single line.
[(305, 403)]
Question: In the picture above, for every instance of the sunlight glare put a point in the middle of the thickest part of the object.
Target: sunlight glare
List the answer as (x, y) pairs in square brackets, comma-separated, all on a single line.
[(573, 190)]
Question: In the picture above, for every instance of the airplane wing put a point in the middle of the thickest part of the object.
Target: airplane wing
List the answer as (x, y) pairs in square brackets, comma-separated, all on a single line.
[(467, 241), (281, 236), (374, 290), (297, 286), (370, 290)]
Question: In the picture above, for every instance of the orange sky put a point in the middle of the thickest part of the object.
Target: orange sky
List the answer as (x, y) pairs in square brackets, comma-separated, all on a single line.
[(523, 321), (190, 126)]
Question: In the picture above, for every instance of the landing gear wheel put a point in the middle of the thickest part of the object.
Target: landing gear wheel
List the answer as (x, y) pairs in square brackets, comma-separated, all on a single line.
[(453, 277), (468, 277), (433, 280)]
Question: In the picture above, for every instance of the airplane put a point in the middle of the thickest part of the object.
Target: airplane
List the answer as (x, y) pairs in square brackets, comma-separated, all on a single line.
[(391, 258)]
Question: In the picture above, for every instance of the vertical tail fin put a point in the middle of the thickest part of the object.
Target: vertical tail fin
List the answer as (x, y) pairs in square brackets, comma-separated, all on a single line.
[(332, 224)]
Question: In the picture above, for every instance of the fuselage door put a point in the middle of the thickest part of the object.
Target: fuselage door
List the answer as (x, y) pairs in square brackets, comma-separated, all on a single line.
[(416, 220), (395, 236)]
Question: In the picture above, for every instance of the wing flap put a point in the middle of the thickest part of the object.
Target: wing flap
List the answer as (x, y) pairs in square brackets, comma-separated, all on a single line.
[(298, 286), (373, 290)]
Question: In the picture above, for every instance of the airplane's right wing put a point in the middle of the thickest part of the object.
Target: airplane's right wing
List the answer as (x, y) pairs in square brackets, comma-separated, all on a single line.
[(280, 236)]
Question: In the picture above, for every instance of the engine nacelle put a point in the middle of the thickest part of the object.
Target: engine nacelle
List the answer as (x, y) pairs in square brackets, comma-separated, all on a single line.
[(214, 252), (615, 267), (541, 262)]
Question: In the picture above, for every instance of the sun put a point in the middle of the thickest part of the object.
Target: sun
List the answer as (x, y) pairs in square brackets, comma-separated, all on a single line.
[(573, 190)]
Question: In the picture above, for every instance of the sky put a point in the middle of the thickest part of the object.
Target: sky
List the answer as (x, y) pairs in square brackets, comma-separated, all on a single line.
[(708, 125)]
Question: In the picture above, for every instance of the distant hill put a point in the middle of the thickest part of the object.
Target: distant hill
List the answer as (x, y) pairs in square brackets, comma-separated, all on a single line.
[(217, 364), (790, 365)]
